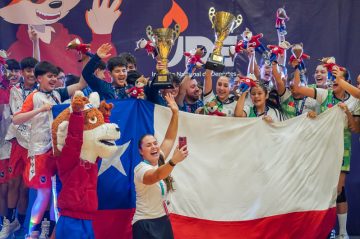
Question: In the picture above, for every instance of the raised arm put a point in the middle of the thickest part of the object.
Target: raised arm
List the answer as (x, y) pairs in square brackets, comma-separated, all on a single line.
[(280, 85), (172, 129), (340, 80), (256, 70), (281, 58), (239, 109), (155, 175), (95, 83), (208, 82), (303, 90), (81, 84), (251, 56), (70, 153), (182, 91), (35, 40)]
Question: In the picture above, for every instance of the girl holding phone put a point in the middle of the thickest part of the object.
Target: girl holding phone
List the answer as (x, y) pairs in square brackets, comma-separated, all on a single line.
[(153, 181)]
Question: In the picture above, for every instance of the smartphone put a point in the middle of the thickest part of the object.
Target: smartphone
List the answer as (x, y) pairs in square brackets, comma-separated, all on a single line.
[(182, 142)]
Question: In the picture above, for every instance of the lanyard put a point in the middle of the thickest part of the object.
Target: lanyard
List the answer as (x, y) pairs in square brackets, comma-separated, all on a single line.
[(120, 92), (264, 113), (23, 91), (162, 187), (51, 94), (227, 101), (343, 100), (301, 109)]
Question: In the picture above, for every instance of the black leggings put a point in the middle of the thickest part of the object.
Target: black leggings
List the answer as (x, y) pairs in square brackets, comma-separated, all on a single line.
[(158, 228)]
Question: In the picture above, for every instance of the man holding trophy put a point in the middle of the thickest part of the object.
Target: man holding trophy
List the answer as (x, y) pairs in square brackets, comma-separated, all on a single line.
[(163, 39)]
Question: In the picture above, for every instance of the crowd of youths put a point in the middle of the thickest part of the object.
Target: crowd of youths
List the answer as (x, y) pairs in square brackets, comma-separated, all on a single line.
[(33, 87)]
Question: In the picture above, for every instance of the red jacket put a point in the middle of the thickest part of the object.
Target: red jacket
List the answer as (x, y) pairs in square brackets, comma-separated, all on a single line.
[(78, 195)]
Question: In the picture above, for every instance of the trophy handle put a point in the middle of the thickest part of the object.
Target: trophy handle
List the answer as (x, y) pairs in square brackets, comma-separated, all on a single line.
[(176, 32), (212, 15), (238, 22), (149, 33)]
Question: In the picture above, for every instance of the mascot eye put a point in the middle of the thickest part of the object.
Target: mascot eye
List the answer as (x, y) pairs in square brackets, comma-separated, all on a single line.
[(93, 120)]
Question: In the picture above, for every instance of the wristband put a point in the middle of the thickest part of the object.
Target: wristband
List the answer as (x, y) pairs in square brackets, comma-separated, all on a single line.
[(172, 164)]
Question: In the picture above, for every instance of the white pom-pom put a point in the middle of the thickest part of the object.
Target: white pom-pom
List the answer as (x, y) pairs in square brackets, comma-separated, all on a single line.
[(94, 99)]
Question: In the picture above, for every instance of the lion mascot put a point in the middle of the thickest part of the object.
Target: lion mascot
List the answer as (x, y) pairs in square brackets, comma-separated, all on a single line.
[(81, 134)]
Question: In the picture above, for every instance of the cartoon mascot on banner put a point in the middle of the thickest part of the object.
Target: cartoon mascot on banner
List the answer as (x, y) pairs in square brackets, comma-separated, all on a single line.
[(80, 136), (43, 16)]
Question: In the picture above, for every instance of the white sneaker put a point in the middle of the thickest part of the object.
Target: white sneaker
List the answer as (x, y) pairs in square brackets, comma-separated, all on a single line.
[(45, 229), (8, 228), (343, 236), (33, 235)]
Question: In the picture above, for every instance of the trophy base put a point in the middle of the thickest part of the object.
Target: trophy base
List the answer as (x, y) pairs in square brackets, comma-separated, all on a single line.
[(215, 63), (163, 81)]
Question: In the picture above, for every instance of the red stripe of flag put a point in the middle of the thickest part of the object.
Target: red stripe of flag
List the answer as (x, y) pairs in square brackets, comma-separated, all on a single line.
[(297, 225)]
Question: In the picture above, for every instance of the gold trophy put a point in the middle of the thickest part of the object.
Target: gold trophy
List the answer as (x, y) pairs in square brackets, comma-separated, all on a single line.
[(163, 39), (223, 23)]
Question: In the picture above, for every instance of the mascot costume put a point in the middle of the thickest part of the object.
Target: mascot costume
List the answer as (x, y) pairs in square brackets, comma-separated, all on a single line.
[(80, 135)]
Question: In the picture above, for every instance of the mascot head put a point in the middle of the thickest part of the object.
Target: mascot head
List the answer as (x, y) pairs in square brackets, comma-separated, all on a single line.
[(98, 138), (37, 12)]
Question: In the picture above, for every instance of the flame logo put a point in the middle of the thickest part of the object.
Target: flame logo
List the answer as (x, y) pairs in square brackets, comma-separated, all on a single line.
[(176, 14)]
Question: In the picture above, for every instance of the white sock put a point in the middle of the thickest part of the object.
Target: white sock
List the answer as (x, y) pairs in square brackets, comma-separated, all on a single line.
[(342, 223)]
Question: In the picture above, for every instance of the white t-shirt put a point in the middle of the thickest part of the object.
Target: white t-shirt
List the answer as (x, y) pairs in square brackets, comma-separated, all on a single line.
[(21, 132), (40, 130), (149, 198), (228, 108), (274, 114)]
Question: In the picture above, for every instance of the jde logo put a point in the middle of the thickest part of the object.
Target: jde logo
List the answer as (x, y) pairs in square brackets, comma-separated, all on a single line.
[(187, 43)]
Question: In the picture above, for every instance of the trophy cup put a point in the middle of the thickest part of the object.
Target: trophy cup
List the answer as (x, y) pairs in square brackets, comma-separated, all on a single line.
[(81, 48), (163, 40), (223, 23)]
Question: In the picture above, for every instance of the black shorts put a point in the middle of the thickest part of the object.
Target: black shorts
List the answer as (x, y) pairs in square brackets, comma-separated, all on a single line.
[(158, 228)]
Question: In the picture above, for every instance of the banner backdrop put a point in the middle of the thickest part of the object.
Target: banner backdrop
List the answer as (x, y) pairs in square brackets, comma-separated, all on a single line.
[(326, 28)]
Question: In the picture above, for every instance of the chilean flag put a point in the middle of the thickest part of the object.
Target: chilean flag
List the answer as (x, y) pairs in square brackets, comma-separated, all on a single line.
[(243, 177)]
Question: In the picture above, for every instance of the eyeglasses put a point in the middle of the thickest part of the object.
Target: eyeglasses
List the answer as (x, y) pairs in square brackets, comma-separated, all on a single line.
[(62, 78)]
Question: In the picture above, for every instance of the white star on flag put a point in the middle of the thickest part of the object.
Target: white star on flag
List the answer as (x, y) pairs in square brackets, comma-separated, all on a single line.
[(115, 160)]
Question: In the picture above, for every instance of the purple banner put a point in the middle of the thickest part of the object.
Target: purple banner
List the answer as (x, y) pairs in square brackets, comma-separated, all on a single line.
[(326, 28)]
